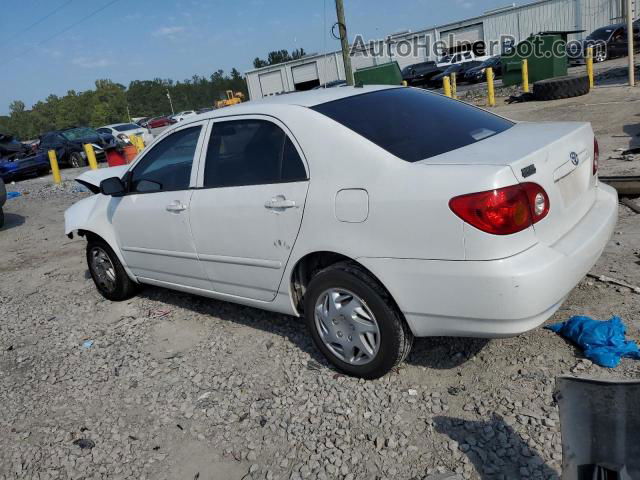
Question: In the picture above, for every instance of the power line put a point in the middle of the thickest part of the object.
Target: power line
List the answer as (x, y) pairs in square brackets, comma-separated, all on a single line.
[(38, 22), (66, 29)]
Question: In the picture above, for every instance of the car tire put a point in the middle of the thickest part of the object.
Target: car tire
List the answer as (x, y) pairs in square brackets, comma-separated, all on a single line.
[(76, 160), (349, 283), (107, 272), (1, 218), (561, 87), (600, 55)]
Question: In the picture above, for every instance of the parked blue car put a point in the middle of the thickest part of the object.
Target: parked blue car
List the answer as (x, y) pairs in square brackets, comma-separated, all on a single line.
[(36, 164), (18, 160)]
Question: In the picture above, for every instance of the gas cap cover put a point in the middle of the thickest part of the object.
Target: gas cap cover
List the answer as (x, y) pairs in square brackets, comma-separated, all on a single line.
[(352, 205)]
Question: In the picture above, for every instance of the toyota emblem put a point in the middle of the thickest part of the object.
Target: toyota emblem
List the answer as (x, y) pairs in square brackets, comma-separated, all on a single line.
[(574, 158)]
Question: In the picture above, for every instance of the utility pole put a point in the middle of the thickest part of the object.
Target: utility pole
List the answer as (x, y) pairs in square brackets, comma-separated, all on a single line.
[(632, 69), (128, 113), (344, 41), (170, 102)]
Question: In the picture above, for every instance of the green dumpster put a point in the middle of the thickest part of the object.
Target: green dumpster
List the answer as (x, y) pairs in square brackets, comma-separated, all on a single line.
[(544, 61), (385, 74)]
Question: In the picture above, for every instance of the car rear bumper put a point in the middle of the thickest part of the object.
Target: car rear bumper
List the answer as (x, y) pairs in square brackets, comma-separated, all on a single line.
[(497, 298)]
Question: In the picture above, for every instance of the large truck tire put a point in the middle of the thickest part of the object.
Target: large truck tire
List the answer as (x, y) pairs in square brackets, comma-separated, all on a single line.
[(561, 87)]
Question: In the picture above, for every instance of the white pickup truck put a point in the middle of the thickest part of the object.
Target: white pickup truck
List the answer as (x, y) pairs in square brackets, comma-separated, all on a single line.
[(461, 57)]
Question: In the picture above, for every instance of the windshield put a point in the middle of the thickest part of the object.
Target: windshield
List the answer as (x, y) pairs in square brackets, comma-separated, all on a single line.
[(601, 34), (413, 124), (78, 133), (126, 126)]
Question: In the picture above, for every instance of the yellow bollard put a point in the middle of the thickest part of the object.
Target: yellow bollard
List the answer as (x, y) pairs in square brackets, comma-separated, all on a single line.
[(140, 143), (590, 66), (446, 84), (134, 141), (525, 76), (55, 170), (491, 91), (454, 86), (91, 156)]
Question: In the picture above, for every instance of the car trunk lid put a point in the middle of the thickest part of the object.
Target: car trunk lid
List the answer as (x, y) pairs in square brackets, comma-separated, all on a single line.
[(556, 156)]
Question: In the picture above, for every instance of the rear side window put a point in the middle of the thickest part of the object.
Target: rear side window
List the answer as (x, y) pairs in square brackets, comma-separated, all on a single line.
[(413, 124), (251, 152)]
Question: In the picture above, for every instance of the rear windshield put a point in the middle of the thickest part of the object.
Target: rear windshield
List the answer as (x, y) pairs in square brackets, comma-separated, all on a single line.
[(413, 124)]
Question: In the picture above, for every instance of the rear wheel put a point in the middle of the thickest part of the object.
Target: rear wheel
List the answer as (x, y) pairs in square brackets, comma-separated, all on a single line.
[(76, 160), (107, 272), (354, 322)]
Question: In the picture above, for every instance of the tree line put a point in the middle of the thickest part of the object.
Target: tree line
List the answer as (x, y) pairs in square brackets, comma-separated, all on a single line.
[(279, 56), (107, 103)]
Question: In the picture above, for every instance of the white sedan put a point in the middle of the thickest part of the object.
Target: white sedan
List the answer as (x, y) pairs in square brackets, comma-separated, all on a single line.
[(377, 214), (122, 131), (179, 117)]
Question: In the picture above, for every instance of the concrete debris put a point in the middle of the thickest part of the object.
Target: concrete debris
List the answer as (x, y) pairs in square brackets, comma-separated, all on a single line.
[(614, 281)]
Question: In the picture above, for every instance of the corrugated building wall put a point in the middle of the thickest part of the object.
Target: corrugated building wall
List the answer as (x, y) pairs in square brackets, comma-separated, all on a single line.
[(519, 22)]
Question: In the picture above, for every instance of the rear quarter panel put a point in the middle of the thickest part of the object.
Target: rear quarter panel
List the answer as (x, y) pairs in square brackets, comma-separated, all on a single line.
[(409, 215)]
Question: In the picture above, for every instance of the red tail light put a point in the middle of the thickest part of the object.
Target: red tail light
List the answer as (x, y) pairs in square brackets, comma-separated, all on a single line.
[(503, 211), (596, 155)]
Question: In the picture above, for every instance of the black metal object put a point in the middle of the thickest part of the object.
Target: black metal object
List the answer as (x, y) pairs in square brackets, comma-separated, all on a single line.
[(625, 185), (600, 422)]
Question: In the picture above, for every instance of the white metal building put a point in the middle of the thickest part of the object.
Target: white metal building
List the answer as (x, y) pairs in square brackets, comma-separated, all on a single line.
[(516, 21)]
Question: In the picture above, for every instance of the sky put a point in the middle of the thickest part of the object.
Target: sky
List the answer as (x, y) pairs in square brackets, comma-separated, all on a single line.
[(52, 46)]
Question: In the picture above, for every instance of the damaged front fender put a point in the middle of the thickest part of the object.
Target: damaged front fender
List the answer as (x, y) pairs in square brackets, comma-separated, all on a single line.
[(90, 215)]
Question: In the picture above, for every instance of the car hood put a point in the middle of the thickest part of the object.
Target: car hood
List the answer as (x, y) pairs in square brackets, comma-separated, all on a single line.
[(92, 178)]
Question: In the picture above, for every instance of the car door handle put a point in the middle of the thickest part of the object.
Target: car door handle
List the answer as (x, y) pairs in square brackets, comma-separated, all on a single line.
[(176, 207), (280, 202)]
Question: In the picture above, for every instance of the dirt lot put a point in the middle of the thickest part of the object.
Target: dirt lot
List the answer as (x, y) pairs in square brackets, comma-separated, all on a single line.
[(180, 387)]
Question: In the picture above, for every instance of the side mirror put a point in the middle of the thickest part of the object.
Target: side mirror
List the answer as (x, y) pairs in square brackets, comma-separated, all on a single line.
[(113, 187)]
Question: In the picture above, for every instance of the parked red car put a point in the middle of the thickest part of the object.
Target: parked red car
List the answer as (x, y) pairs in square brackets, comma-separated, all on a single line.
[(158, 122)]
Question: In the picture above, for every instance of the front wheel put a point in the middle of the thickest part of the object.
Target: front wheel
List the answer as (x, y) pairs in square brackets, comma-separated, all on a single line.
[(600, 55), (107, 272), (76, 160), (354, 322)]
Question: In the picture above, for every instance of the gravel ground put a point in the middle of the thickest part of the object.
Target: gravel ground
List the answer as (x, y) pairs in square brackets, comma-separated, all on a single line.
[(169, 385)]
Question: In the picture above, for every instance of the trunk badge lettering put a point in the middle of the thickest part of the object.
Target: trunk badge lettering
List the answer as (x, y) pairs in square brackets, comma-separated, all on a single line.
[(528, 171), (574, 158)]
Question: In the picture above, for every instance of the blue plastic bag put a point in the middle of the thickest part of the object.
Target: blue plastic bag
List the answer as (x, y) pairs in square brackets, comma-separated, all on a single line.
[(603, 342), (11, 195)]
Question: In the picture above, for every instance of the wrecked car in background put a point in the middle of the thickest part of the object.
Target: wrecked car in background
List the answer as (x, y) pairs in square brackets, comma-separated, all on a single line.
[(19, 160), (69, 145), (3, 198)]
